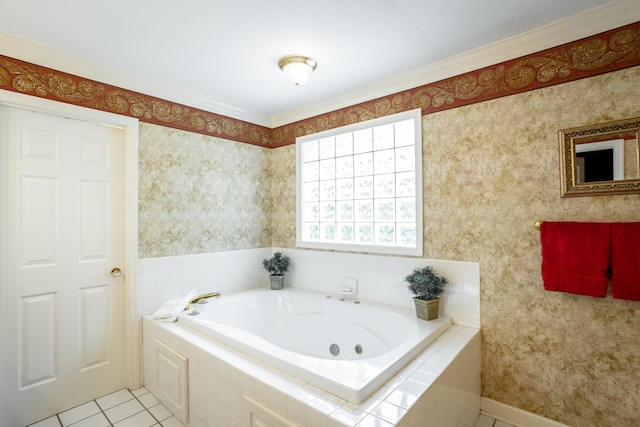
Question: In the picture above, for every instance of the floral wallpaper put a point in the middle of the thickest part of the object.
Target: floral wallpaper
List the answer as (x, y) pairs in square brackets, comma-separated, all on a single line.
[(200, 194), (490, 171)]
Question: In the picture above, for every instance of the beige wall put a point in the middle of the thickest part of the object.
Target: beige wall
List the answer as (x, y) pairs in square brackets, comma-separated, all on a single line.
[(490, 171)]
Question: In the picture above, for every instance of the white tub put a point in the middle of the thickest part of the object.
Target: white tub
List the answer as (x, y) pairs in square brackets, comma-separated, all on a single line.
[(296, 330)]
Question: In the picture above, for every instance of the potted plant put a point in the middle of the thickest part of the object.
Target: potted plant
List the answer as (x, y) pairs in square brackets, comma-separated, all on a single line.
[(427, 287), (277, 265)]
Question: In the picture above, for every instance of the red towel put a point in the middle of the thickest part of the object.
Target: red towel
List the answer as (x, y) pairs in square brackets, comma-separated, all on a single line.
[(575, 257), (625, 260)]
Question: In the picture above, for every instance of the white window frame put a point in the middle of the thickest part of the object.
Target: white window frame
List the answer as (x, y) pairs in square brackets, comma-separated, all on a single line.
[(416, 115)]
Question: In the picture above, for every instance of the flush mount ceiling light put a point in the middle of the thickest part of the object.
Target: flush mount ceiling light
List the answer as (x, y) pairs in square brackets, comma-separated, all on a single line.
[(297, 69)]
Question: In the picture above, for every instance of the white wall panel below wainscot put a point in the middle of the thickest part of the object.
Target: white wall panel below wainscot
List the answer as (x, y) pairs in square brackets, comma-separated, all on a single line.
[(381, 279), (166, 278)]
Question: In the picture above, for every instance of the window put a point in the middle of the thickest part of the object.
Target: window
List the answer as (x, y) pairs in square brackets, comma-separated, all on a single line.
[(359, 187)]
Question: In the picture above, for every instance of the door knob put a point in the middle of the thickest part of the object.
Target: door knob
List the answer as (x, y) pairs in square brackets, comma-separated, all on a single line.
[(115, 272)]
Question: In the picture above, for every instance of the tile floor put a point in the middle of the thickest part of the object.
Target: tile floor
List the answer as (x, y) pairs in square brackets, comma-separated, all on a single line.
[(140, 408), (123, 408), (484, 421)]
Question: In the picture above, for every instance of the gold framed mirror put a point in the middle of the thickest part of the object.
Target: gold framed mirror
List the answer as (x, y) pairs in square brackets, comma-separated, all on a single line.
[(600, 159)]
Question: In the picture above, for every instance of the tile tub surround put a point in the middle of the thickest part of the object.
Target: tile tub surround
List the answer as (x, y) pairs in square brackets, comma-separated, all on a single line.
[(443, 380), (379, 278)]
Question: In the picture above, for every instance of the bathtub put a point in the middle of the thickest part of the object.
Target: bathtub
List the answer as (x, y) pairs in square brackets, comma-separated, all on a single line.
[(345, 347)]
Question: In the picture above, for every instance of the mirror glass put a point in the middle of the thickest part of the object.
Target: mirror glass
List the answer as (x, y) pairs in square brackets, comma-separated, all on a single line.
[(601, 159)]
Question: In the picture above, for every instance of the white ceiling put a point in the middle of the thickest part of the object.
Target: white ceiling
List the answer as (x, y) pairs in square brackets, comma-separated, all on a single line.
[(224, 53)]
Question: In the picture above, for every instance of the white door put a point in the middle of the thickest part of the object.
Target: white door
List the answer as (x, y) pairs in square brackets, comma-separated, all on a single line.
[(62, 331)]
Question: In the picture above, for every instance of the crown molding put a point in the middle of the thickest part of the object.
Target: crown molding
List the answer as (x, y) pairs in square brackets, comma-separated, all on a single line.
[(48, 57), (594, 21)]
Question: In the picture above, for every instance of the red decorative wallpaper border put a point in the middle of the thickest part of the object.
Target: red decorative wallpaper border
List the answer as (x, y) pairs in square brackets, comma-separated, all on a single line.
[(31, 79), (602, 53)]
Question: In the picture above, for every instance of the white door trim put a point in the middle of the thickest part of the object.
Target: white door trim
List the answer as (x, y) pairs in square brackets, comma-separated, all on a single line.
[(133, 375)]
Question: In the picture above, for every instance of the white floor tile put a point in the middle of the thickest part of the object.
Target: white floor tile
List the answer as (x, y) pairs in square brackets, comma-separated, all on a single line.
[(124, 410), (113, 399), (79, 413), (98, 420), (142, 419), (484, 421), (148, 400), (139, 392), (501, 424), (172, 422), (160, 412), (49, 422)]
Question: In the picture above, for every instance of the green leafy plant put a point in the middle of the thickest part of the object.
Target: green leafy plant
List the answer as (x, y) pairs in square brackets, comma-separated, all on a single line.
[(277, 265), (426, 284)]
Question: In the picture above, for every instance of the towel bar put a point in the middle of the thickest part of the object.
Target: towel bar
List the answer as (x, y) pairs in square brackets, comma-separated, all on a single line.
[(537, 224)]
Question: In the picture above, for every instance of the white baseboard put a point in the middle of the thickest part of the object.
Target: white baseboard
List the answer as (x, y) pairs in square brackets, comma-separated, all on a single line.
[(514, 416)]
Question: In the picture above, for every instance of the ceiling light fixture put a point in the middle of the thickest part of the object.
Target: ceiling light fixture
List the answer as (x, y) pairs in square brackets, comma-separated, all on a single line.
[(297, 69)]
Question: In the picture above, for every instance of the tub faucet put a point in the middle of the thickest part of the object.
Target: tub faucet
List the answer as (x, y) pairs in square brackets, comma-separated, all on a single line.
[(200, 299)]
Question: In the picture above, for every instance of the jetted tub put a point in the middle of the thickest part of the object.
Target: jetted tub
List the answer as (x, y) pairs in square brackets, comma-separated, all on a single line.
[(346, 348)]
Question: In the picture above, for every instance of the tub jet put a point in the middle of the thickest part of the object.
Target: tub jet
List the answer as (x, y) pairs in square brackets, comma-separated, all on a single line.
[(334, 349)]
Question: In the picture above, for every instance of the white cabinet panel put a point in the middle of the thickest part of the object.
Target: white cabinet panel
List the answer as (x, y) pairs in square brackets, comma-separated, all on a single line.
[(172, 379), (258, 415)]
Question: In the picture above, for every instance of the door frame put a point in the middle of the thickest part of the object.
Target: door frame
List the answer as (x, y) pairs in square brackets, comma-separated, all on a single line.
[(132, 335)]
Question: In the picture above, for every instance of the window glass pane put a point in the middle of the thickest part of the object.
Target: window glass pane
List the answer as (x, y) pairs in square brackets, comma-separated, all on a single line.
[(406, 209), (384, 185), (406, 235), (364, 210), (312, 211), (405, 133), (364, 233), (362, 141), (405, 184), (345, 211), (311, 191), (383, 137), (345, 232), (385, 234), (363, 164), (344, 167), (328, 169), (327, 190), (310, 151), (327, 232), (311, 171), (405, 159), (311, 232), (363, 188), (344, 144), (327, 148), (327, 211), (383, 161), (385, 210), (344, 189)]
